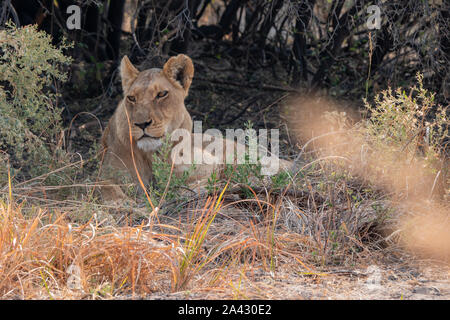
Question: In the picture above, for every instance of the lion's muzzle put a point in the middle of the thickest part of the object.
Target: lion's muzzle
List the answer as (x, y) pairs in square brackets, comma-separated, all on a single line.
[(148, 144)]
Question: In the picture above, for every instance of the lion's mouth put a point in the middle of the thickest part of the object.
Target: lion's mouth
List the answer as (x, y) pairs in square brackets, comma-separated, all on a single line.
[(149, 136), (149, 143)]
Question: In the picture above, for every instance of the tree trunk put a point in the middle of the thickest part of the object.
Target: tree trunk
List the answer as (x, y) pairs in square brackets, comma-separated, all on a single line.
[(115, 18), (299, 45)]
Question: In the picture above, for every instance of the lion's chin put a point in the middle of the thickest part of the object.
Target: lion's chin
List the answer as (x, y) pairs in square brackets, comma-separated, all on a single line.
[(149, 144)]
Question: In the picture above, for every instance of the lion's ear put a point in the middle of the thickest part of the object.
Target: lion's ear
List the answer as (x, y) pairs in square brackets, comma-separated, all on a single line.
[(128, 73), (180, 71)]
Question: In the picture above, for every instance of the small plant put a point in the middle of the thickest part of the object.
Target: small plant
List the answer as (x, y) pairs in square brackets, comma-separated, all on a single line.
[(30, 118), (244, 174), (212, 181), (164, 180), (405, 123), (408, 133), (280, 180)]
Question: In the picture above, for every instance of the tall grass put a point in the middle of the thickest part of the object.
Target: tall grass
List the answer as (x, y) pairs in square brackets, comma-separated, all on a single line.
[(46, 256)]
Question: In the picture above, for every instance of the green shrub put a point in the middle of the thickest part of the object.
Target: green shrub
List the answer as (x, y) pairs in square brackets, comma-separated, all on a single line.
[(163, 178), (407, 134), (30, 118), (408, 124), (399, 146)]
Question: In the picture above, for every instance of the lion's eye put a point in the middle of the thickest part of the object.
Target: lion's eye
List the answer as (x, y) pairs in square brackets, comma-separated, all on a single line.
[(131, 99), (162, 94)]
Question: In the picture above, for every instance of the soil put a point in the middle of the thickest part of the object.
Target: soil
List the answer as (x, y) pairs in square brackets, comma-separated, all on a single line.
[(376, 282)]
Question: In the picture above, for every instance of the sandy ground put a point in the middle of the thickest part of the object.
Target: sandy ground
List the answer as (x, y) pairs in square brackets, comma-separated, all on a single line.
[(371, 283)]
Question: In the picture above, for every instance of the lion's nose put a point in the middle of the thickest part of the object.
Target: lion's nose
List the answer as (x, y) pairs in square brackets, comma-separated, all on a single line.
[(143, 125)]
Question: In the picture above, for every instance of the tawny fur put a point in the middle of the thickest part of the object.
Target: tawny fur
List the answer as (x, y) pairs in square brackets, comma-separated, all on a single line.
[(164, 115)]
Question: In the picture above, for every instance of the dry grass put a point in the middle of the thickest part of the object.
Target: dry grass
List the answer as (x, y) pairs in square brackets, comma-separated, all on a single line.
[(43, 256), (349, 204), (214, 245)]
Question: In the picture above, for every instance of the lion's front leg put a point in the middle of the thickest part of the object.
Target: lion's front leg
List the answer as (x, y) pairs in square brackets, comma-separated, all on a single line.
[(113, 174), (112, 192)]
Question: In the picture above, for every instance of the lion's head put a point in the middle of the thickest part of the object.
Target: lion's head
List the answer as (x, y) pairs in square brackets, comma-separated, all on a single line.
[(154, 100)]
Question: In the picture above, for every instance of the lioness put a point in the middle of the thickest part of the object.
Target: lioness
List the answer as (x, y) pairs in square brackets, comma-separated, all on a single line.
[(153, 106)]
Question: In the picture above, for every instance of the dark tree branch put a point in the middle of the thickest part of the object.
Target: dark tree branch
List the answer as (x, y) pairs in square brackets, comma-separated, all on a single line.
[(115, 18), (341, 31), (305, 11)]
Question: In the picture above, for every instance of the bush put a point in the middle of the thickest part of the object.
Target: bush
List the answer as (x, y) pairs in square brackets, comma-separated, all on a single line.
[(399, 146), (30, 118), (408, 124), (408, 132), (165, 184)]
